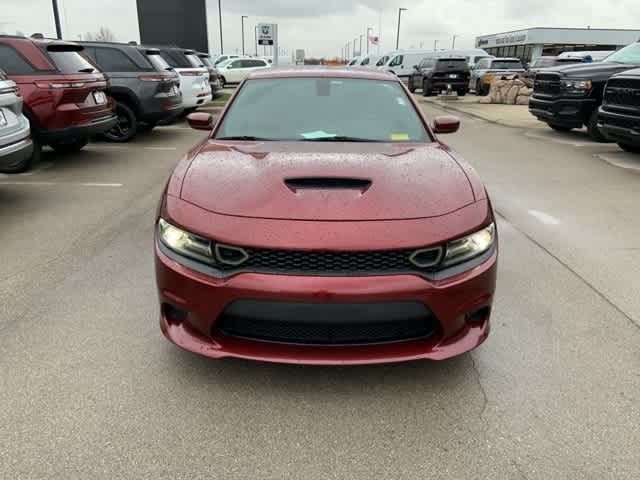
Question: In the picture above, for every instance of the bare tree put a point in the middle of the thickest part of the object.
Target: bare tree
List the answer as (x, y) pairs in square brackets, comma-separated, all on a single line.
[(104, 35)]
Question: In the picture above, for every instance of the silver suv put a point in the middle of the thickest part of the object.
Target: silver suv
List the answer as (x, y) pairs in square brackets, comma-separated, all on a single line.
[(16, 146)]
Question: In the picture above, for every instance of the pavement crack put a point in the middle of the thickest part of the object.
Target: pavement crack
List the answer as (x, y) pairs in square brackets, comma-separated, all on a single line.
[(634, 322), (485, 398)]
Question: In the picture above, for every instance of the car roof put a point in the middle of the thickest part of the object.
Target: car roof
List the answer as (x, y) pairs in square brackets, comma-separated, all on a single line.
[(450, 58), (325, 72), (502, 59)]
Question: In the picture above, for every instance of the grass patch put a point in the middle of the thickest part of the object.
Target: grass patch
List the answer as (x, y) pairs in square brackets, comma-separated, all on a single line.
[(222, 97)]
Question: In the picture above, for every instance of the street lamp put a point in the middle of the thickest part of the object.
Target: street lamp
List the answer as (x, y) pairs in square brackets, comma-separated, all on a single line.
[(242, 21), (435, 45), (400, 10), (220, 15), (56, 17), (368, 40), (255, 38), (354, 46), (453, 45), (360, 45)]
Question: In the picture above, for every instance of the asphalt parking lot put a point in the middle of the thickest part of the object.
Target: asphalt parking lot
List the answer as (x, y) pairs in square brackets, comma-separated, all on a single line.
[(90, 388)]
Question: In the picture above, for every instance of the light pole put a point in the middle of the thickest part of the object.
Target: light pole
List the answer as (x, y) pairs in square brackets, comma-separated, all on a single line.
[(242, 21), (400, 10), (435, 45), (368, 40), (255, 38), (220, 16), (354, 46), (56, 17), (361, 45), (453, 45)]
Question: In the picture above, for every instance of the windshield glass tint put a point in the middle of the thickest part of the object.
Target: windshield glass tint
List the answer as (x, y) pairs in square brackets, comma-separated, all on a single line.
[(206, 61), (629, 54), (506, 64), (457, 63), (322, 108), (71, 62), (194, 60), (158, 62)]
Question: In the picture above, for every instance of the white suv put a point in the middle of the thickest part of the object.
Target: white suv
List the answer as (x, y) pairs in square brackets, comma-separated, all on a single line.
[(194, 76), (236, 70), (16, 146)]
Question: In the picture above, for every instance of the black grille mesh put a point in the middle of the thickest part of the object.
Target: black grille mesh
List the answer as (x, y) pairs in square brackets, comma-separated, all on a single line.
[(319, 262), (547, 84), (623, 91)]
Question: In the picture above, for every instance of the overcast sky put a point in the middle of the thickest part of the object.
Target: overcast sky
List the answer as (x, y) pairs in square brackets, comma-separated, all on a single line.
[(322, 27)]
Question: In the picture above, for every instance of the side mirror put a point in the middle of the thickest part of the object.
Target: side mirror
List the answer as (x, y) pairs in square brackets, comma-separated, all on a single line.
[(445, 124), (200, 121)]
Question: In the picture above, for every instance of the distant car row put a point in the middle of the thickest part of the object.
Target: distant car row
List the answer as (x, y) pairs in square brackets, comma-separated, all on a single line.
[(603, 96), (60, 93)]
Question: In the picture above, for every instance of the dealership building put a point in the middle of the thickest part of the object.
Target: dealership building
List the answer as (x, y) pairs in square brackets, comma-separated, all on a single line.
[(536, 42)]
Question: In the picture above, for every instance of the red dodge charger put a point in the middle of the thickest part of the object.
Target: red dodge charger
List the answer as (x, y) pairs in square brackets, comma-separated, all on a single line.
[(322, 222)]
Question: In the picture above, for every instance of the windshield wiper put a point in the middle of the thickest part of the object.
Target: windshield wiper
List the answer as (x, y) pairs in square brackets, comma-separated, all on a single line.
[(338, 138), (245, 137)]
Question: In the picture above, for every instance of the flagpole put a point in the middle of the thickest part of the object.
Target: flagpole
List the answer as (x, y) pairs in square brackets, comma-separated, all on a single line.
[(379, 31)]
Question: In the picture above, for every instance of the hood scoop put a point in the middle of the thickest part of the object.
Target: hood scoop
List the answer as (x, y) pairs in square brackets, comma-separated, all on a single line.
[(327, 183)]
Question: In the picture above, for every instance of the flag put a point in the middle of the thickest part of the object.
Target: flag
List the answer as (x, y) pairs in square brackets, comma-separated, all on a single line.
[(374, 40)]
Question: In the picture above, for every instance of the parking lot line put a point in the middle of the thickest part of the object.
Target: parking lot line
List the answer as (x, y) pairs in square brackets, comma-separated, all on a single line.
[(71, 184), (544, 217)]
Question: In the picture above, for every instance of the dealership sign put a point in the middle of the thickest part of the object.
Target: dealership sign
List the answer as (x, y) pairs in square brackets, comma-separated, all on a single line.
[(266, 34), (512, 38)]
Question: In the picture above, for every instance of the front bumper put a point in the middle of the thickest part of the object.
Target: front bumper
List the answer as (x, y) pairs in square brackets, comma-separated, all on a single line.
[(619, 127), (454, 302), (456, 83), (569, 112)]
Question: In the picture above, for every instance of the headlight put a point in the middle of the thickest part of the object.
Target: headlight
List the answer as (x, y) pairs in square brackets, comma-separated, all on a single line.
[(471, 246), (185, 243), (577, 86)]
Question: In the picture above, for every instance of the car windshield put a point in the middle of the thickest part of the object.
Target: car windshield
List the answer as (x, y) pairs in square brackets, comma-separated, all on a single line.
[(158, 62), (207, 61), (323, 109), (382, 61), (453, 63), (544, 62), (506, 65), (71, 61), (629, 54), (224, 63)]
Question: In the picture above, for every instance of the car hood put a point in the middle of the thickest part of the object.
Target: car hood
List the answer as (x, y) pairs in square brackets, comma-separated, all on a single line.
[(594, 70), (322, 181)]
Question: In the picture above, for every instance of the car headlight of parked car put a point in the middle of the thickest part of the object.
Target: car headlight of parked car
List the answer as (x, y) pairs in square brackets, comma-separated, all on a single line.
[(577, 86), (185, 243), (469, 247)]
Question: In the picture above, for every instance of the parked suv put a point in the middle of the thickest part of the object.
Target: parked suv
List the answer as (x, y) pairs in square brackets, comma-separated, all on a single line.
[(194, 80), (214, 75), (145, 93), (64, 93), (236, 70), (568, 97), (488, 68), (16, 147), (437, 74), (619, 118)]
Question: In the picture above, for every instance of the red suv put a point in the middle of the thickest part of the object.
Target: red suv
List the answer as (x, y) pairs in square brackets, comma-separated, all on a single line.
[(64, 93)]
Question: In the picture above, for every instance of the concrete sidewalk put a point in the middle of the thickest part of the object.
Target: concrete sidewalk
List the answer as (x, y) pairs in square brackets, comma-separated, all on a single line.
[(516, 116)]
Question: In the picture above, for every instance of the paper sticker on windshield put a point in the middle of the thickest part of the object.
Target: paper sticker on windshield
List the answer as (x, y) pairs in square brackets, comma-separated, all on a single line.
[(317, 134), (399, 137)]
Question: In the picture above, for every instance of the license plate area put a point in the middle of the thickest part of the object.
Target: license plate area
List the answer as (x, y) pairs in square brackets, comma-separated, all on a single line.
[(100, 98)]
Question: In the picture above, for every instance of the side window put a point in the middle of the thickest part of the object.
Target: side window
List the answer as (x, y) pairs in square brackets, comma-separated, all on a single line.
[(397, 61), (365, 61), (112, 60), (13, 63), (237, 64)]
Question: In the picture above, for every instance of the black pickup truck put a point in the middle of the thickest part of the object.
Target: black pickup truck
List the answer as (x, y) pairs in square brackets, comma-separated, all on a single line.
[(619, 118), (569, 97)]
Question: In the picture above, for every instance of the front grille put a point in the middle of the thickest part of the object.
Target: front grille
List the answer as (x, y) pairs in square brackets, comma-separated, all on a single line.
[(326, 324), (546, 84), (623, 92), (622, 122), (325, 262)]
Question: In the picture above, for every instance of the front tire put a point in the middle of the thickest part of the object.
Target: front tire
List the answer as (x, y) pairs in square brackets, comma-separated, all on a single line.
[(629, 148), (127, 125), (426, 89), (223, 82), (72, 145), (594, 131), (462, 93)]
